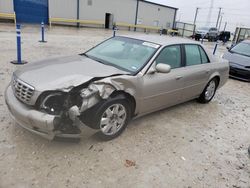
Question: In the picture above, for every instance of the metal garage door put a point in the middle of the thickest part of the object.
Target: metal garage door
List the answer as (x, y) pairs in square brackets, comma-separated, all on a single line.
[(31, 11)]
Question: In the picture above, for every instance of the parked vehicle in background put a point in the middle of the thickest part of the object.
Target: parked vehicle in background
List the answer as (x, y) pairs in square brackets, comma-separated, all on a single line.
[(210, 33), (239, 60), (105, 87), (224, 36)]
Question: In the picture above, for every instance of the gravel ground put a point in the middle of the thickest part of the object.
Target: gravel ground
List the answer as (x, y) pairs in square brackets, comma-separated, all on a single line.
[(189, 145)]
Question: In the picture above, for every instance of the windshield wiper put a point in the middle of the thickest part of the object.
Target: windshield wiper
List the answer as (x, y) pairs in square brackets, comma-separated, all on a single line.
[(94, 58), (84, 54)]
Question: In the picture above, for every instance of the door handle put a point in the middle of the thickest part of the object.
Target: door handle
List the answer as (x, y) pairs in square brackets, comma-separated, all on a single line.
[(178, 77)]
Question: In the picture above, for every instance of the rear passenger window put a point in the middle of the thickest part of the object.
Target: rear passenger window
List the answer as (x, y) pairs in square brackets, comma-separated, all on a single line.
[(193, 56), (204, 58)]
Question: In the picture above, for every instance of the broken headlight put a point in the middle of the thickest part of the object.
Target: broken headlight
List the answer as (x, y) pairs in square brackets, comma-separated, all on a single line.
[(53, 103)]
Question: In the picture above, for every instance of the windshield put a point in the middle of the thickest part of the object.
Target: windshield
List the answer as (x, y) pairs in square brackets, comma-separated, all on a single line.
[(242, 49), (123, 53)]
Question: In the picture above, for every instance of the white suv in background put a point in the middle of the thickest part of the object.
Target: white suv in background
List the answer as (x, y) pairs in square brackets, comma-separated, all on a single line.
[(210, 33)]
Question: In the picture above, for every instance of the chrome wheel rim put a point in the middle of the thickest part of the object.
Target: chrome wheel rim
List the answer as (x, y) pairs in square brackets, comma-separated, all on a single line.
[(113, 119), (210, 90)]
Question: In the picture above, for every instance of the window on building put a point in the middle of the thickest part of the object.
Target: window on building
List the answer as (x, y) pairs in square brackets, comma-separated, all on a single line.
[(156, 23)]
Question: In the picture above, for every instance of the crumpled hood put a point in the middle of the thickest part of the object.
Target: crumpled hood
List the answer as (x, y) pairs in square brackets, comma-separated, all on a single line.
[(63, 73), (237, 59)]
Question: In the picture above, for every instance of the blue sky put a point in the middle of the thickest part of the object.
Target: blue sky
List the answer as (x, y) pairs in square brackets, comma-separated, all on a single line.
[(235, 12)]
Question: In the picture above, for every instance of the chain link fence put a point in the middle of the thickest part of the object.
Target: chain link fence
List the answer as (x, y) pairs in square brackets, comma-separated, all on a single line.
[(185, 29), (241, 34)]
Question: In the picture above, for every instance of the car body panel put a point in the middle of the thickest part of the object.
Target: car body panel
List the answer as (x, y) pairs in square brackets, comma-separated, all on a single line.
[(237, 59), (239, 65), (194, 79), (30, 119), (63, 72), (151, 91), (168, 94)]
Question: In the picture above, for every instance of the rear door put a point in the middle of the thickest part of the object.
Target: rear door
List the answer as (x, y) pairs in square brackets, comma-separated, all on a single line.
[(197, 71)]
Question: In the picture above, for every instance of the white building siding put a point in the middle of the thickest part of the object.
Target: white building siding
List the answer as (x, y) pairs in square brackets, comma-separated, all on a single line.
[(155, 15), (6, 6), (122, 10), (62, 9)]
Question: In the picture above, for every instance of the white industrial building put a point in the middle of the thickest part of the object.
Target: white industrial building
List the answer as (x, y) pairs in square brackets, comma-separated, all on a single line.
[(91, 12)]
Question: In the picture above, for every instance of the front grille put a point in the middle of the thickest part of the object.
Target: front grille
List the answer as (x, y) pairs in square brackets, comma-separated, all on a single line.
[(22, 90)]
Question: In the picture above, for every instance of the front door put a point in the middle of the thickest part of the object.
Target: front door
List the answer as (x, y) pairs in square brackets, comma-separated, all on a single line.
[(161, 90)]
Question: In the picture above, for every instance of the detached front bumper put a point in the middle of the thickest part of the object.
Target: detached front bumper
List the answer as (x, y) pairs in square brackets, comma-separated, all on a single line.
[(35, 121)]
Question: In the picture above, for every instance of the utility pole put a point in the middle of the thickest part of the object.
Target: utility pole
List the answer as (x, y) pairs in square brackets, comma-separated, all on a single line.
[(78, 12), (218, 17), (136, 14), (208, 22), (195, 17), (225, 26), (220, 21)]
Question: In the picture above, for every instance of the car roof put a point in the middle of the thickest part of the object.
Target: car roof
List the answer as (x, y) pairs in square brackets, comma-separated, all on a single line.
[(161, 39)]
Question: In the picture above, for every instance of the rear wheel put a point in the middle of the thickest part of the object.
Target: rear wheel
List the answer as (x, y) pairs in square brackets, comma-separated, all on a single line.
[(209, 91)]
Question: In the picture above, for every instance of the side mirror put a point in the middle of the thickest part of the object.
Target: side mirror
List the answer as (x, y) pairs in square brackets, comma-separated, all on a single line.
[(163, 68), (228, 48)]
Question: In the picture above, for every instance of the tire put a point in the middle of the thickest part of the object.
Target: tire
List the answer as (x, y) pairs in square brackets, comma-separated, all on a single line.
[(209, 91), (112, 124)]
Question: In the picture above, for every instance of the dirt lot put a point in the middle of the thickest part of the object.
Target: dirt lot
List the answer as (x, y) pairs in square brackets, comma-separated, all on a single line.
[(190, 145)]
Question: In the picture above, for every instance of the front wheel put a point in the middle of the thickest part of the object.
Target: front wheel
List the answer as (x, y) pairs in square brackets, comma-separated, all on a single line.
[(209, 91), (113, 117)]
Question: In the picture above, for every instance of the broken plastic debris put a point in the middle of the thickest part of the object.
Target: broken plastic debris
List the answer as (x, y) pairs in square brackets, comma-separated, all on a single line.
[(129, 163), (183, 158)]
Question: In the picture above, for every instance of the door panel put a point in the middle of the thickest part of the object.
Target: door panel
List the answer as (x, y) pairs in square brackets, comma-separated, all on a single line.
[(164, 89), (31, 11), (161, 90), (194, 79), (197, 71)]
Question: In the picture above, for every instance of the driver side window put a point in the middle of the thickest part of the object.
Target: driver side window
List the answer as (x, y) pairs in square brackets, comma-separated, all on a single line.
[(170, 55)]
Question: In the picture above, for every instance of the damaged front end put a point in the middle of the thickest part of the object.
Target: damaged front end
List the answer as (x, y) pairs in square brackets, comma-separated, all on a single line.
[(89, 97), (65, 112), (73, 109)]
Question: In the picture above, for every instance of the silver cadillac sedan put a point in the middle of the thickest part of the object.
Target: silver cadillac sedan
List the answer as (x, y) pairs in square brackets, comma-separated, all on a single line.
[(118, 80)]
